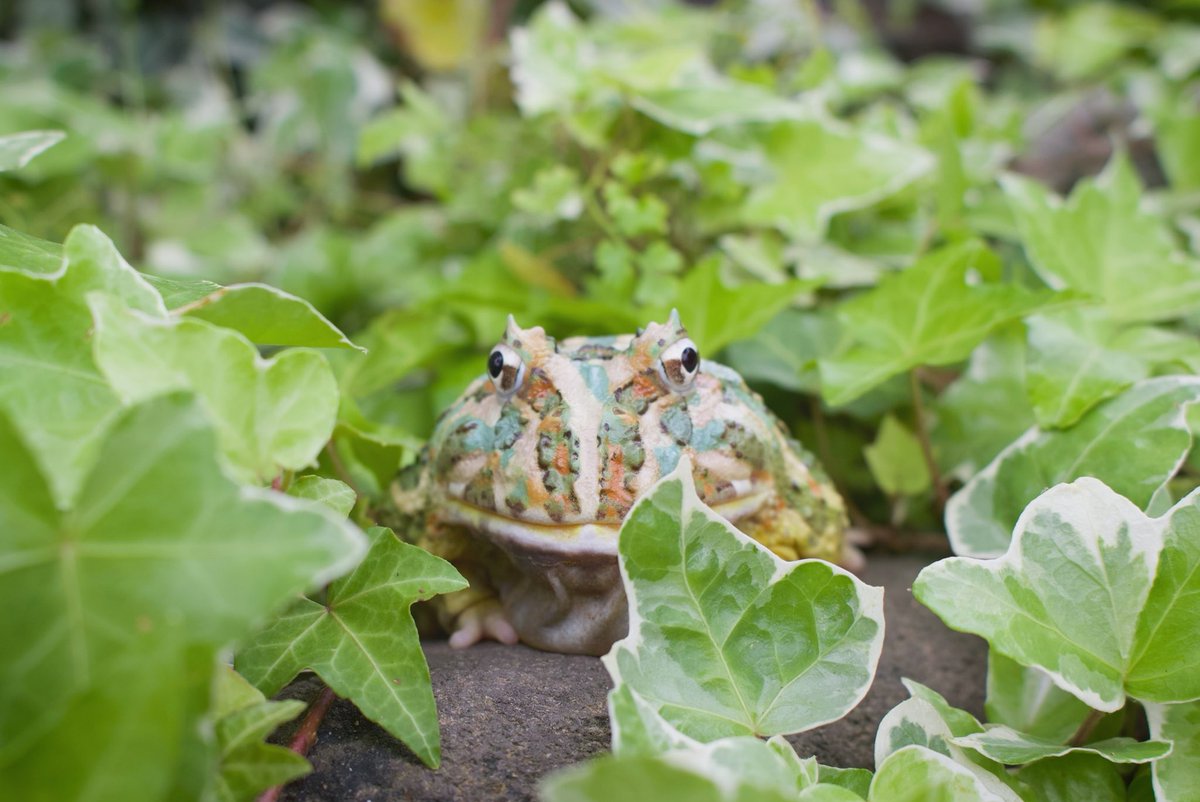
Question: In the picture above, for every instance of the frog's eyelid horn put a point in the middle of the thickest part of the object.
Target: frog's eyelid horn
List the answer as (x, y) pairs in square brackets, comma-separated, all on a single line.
[(673, 320), (511, 330)]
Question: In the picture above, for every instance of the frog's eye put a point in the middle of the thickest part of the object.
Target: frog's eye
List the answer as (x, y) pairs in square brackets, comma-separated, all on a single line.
[(506, 369), (679, 364)]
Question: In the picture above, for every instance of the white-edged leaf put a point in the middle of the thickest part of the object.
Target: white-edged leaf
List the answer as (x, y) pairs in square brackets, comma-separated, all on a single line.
[(1133, 443), (725, 638)]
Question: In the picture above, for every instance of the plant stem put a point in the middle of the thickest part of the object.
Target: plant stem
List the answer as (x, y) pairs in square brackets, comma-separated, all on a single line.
[(1085, 729), (935, 474), (306, 736)]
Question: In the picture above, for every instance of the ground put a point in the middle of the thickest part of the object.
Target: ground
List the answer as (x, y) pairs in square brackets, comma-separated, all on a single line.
[(510, 715)]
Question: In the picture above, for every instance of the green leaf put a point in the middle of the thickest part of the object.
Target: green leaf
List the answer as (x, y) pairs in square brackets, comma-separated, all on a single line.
[(1140, 578), (1077, 358), (244, 718), (716, 314), (30, 255), (1073, 778), (926, 720), (17, 150), (1177, 776), (271, 415), (267, 316), (986, 407), (1104, 242), (930, 314), (727, 639), (362, 641), (786, 350), (856, 780), (121, 603), (1134, 443), (896, 460), (177, 292), (337, 496), (1089, 37), (49, 384), (634, 216), (820, 168), (1006, 745), (649, 777), (917, 774), (554, 195), (699, 110), (1027, 700)]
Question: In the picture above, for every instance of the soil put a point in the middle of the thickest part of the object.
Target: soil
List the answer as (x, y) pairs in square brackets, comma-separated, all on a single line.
[(510, 715)]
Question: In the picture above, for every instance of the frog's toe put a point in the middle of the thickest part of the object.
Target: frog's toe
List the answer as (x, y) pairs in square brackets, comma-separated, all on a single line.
[(483, 621)]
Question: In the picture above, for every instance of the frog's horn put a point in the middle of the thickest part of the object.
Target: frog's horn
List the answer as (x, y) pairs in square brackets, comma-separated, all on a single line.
[(511, 329), (673, 320)]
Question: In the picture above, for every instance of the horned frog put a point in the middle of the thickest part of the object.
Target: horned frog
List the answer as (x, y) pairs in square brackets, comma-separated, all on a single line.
[(528, 475)]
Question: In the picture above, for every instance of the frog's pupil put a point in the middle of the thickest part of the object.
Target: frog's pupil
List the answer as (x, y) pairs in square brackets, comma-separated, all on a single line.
[(495, 364), (690, 360)]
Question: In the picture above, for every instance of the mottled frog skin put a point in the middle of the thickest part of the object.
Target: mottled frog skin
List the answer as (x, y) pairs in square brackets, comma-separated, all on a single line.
[(527, 477)]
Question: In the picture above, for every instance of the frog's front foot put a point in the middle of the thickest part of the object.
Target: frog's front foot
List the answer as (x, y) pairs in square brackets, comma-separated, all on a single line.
[(483, 620)]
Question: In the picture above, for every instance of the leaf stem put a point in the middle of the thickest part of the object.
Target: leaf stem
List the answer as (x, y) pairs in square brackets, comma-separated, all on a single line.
[(1085, 728), (306, 736), (921, 423)]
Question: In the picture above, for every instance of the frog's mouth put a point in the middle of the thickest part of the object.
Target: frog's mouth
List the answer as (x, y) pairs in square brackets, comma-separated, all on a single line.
[(597, 538)]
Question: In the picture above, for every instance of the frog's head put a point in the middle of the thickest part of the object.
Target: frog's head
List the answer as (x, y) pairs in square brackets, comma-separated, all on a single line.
[(557, 440)]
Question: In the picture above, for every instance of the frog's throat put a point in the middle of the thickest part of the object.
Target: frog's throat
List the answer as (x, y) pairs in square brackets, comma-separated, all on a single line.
[(594, 538)]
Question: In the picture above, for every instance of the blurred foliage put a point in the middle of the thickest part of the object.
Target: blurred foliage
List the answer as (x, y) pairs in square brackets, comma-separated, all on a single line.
[(420, 170)]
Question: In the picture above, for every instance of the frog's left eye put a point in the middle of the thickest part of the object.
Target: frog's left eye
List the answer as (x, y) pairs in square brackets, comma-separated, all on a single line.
[(679, 364), (506, 369)]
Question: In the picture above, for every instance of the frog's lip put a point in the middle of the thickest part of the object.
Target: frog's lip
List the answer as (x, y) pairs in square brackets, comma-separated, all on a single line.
[(598, 538)]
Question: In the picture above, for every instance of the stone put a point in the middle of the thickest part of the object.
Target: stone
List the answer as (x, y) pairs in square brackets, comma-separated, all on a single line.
[(510, 714)]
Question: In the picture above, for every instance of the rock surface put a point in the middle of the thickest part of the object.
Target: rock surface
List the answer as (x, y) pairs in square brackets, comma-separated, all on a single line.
[(510, 715)]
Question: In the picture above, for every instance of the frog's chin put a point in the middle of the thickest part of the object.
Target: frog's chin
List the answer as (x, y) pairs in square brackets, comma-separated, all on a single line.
[(593, 539)]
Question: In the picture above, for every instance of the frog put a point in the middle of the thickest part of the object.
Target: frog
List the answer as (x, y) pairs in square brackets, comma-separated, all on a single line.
[(529, 474)]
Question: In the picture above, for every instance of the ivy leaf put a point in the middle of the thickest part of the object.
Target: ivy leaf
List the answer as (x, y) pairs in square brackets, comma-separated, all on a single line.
[(820, 168), (127, 597), (634, 216), (362, 641), (918, 774), (49, 384), (727, 639), (1176, 776), (928, 721), (336, 495), (244, 718), (986, 407), (17, 150), (271, 415), (649, 749), (267, 316), (1087, 38), (554, 195), (896, 461), (1134, 443), (1079, 357), (699, 110), (25, 254), (786, 350), (649, 777), (1006, 745), (1104, 242), (717, 315), (928, 314), (1076, 777), (1138, 575), (1027, 700), (177, 292)]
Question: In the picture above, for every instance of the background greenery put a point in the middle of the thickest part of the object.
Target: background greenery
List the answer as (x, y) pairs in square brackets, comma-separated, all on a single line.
[(953, 244)]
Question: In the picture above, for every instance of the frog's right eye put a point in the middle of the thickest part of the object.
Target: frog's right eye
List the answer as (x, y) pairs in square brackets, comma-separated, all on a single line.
[(506, 369)]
